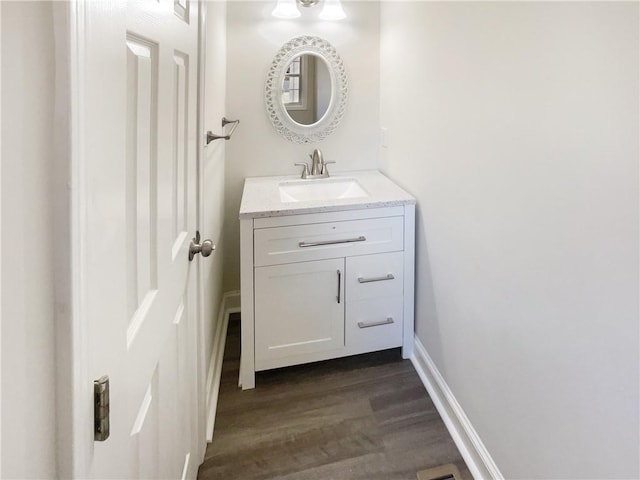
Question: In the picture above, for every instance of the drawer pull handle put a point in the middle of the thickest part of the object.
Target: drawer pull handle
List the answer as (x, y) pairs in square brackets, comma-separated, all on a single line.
[(339, 285), (375, 324), (388, 276), (331, 242)]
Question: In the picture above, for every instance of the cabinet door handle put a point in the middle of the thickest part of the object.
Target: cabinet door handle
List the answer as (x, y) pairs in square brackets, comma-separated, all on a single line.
[(361, 238), (375, 324), (339, 282), (389, 276)]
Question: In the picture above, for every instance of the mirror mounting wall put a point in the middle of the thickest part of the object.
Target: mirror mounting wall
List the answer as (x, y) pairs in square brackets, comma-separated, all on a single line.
[(283, 123)]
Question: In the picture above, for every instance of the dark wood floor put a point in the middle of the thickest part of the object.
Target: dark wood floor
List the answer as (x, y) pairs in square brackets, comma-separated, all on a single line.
[(366, 417)]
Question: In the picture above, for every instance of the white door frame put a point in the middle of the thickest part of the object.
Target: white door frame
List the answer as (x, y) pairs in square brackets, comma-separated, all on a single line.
[(74, 394)]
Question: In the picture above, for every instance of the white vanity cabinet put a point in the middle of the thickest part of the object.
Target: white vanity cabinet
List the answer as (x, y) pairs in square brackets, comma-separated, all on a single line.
[(324, 285)]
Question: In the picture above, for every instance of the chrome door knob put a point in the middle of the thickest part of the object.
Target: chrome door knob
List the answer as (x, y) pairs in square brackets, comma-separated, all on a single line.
[(205, 248)]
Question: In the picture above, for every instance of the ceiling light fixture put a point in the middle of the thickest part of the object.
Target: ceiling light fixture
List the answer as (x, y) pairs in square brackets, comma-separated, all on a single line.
[(287, 9)]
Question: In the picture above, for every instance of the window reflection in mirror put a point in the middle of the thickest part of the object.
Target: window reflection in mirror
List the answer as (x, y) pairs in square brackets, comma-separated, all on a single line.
[(306, 89)]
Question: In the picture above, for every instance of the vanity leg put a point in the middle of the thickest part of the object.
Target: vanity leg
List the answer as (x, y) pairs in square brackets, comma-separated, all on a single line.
[(247, 378)]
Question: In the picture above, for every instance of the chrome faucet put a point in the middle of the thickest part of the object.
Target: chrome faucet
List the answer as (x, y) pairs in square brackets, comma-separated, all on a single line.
[(318, 166)]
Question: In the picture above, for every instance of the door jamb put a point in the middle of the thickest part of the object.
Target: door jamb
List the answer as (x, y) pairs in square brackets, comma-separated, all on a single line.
[(73, 392), (202, 364)]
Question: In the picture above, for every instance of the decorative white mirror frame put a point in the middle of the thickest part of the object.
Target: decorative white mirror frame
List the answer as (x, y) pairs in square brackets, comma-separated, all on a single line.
[(283, 123)]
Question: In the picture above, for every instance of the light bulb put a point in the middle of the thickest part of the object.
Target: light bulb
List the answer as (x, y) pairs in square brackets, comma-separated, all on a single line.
[(332, 10), (286, 9)]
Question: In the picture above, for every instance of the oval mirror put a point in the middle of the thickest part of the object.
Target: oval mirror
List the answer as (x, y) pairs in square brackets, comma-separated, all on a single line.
[(306, 90)]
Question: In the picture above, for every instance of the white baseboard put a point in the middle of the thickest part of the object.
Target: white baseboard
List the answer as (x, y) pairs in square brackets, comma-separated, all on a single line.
[(473, 451), (230, 304)]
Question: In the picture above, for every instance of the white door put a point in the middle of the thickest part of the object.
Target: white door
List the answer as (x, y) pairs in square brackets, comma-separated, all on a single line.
[(135, 90)]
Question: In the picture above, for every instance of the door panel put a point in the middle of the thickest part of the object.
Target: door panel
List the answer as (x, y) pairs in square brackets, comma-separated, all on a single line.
[(180, 155), (141, 208), (140, 178)]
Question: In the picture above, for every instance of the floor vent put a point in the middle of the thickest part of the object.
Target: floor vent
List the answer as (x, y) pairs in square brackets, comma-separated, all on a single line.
[(443, 472)]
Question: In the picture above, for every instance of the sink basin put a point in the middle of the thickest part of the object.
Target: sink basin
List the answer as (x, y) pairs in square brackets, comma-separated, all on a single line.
[(321, 189)]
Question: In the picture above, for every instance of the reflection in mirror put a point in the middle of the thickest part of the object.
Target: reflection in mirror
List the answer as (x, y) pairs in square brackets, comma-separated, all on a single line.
[(306, 89)]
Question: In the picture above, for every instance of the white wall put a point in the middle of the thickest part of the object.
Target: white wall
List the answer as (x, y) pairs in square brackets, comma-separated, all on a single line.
[(518, 134), (253, 38), (28, 355), (214, 166)]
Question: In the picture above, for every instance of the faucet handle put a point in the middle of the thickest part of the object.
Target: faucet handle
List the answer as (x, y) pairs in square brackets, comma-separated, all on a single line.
[(325, 170), (305, 169)]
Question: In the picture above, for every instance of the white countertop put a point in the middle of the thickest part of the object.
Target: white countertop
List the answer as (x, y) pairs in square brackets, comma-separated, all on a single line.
[(261, 196)]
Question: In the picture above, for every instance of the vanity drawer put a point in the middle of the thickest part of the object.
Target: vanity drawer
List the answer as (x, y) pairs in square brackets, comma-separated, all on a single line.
[(374, 276), (299, 243), (374, 324)]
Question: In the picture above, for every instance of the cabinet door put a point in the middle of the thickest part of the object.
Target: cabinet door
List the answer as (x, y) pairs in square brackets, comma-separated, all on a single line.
[(299, 312)]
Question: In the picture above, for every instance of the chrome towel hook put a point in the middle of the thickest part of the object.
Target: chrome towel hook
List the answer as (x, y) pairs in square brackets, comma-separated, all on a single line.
[(212, 136)]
